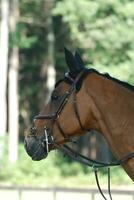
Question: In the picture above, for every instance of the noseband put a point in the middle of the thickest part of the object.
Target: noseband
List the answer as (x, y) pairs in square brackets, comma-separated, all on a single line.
[(49, 143)]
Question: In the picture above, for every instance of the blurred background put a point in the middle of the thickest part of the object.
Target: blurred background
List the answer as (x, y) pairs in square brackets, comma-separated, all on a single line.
[(33, 34)]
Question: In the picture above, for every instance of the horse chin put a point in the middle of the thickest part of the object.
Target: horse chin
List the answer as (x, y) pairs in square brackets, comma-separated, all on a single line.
[(34, 148)]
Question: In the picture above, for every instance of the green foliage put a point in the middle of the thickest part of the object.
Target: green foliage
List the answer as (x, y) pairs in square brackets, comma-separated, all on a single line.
[(103, 30), (21, 39), (54, 170)]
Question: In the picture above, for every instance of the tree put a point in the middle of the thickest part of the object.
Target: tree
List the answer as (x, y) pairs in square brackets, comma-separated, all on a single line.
[(100, 30), (13, 101), (4, 31), (38, 66), (48, 67)]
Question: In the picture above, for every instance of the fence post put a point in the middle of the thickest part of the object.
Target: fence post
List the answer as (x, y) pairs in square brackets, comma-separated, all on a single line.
[(54, 193), (92, 196), (20, 193)]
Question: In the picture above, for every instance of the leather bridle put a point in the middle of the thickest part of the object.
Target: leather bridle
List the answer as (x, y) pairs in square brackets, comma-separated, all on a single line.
[(49, 143), (48, 137)]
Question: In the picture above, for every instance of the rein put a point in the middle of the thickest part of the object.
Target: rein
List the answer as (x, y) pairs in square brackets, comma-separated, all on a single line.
[(47, 141), (95, 165)]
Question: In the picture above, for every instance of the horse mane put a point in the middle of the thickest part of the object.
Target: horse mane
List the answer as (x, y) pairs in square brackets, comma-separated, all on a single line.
[(124, 84), (106, 75), (90, 71)]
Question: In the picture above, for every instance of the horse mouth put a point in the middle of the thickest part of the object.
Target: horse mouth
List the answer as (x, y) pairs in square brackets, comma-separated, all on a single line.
[(34, 148)]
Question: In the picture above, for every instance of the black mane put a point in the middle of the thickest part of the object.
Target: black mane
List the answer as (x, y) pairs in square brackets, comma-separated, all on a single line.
[(106, 75), (125, 84), (90, 71)]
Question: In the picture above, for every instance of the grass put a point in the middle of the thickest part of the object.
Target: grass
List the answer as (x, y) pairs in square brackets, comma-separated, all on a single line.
[(55, 171)]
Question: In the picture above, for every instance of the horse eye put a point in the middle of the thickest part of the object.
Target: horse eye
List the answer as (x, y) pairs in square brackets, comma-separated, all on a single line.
[(54, 97)]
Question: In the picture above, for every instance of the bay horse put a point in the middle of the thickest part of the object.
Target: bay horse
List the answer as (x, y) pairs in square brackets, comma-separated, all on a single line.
[(85, 100)]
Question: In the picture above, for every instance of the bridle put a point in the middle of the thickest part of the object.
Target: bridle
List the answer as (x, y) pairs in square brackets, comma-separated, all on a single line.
[(48, 138), (48, 141)]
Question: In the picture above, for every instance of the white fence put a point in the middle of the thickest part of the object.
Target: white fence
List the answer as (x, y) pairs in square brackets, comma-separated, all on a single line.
[(56, 193)]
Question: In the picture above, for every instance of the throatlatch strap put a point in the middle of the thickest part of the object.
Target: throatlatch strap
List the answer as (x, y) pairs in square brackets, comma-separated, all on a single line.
[(77, 113)]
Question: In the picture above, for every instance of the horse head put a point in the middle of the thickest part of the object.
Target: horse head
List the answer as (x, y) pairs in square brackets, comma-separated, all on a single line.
[(65, 114)]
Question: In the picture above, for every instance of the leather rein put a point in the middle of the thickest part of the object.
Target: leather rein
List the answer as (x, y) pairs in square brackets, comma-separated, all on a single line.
[(48, 142)]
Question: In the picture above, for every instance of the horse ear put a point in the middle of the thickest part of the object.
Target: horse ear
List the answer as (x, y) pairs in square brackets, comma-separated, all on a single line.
[(70, 60), (79, 61)]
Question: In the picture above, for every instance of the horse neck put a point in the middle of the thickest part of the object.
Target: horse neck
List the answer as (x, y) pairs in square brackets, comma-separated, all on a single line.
[(113, 107)]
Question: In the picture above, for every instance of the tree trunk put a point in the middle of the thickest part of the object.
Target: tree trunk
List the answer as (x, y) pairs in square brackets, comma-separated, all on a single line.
[(4, 31), (48, 68), (13, 87)]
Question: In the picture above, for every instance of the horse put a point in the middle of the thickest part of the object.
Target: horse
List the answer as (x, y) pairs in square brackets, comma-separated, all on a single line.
[(85, 100)]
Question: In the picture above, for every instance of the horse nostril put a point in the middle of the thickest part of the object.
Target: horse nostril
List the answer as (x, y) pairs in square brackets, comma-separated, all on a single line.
[(33, 130)]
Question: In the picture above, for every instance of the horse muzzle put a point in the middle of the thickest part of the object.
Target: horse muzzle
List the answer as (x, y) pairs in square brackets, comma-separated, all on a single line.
[(35, 148)]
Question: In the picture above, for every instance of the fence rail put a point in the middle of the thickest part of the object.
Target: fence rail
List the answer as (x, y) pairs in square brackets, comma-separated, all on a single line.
[(57, 191)]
